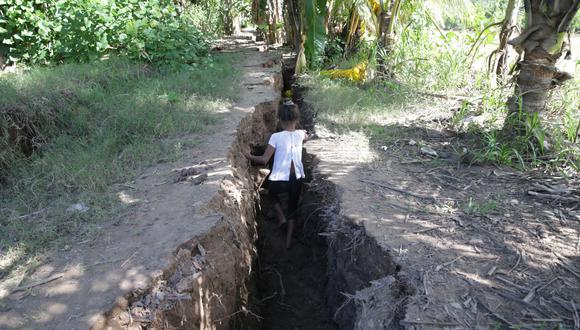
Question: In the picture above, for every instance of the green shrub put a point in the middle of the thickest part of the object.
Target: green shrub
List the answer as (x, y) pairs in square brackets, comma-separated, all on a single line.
[(56, 31)]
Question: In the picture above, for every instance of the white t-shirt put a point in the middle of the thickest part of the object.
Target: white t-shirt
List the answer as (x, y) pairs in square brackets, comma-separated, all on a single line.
[(288, 147)]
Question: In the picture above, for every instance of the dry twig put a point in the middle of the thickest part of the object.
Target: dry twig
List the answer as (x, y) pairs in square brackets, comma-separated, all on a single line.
[(400, 190), (437, 324), (35, 284), (505, 280), (495, 314), (553, 197), (422, 231), (439, 267), (576, 317)]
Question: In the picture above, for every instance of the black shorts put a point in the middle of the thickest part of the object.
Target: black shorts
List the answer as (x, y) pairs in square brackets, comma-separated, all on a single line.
[(293, 187)]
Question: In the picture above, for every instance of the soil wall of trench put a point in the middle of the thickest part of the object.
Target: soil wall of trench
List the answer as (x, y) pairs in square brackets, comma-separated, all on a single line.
[(207, 284), (213, 282)]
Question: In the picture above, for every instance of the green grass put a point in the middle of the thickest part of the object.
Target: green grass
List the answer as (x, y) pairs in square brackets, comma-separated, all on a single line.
[(548, 141), (474, 208), (343, 105), (93, 125)]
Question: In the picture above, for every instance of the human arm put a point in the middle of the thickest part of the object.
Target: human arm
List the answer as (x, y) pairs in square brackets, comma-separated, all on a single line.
[(263, 159)]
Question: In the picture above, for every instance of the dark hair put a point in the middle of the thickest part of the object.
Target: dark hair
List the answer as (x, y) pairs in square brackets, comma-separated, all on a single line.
[(288, 112)]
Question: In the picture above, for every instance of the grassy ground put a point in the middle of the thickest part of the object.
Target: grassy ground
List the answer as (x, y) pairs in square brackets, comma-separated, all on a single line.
[(92, 126), (420, 67), (343, 105), (371, 109)]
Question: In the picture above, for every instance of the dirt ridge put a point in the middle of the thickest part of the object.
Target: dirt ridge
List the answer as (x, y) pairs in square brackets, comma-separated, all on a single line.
[(215, 294)]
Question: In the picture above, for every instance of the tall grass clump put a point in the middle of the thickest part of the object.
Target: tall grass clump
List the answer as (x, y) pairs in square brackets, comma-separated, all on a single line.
[(70, 132), (547, 140), (429, 58)]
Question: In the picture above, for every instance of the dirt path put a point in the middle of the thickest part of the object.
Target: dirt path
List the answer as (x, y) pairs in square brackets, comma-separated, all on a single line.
[(472, 249), (77, 287)]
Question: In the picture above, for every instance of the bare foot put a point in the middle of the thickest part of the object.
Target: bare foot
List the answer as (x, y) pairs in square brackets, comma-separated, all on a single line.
[(289, 234), (280, 213)]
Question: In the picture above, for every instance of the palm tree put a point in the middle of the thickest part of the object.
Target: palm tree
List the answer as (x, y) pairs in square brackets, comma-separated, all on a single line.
[(541, 41), (377, 18)]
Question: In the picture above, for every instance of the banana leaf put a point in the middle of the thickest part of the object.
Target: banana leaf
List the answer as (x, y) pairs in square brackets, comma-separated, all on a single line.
[(315, 30)]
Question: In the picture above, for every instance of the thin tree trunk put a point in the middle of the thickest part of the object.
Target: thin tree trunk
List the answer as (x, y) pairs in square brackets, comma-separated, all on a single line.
[(293, 24), (387, 19), (259, 18), (353, 24), (328, 17), (274, 15), (395, 8), (507, 28), (230, 18), (384, 21)]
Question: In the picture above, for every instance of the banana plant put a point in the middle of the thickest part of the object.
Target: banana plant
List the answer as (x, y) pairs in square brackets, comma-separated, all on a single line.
[(370, 21), (315, 30), (379, 18)]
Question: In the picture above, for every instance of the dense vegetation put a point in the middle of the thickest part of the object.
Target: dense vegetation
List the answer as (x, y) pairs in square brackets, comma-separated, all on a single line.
[(56, 31), (500, 56)]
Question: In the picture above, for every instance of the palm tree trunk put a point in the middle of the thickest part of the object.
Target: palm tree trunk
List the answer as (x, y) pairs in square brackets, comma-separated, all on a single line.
[(274, 14), (546, 27), (292, 23), (387, 21)]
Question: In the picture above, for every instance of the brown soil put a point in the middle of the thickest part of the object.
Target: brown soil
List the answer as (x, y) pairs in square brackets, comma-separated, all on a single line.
[(474, 249), (291, 284)]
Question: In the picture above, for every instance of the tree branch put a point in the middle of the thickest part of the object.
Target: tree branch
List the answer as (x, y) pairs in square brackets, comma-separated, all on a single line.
[(525, 35), (565, 24)]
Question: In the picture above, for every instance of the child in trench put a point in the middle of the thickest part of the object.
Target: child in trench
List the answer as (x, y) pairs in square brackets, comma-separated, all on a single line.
[(288, 171)]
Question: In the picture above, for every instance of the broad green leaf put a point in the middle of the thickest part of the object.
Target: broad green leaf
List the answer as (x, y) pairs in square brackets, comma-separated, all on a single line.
[(314, 11)]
